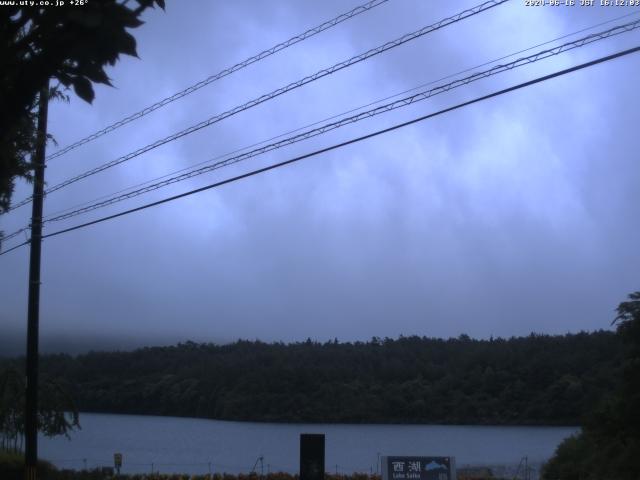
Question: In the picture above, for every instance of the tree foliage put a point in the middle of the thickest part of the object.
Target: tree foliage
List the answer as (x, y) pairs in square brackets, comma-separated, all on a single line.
[(57, 413), (538, 379), (609, 445), (71, 45)]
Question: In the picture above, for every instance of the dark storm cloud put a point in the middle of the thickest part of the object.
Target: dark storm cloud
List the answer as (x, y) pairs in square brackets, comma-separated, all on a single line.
[(511, 216)]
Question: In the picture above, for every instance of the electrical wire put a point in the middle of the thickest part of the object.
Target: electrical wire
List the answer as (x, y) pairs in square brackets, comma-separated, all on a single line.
[(262, 142), (417, 97), (15, 247), (352, 141), (93, 206), (421, 96), (280, 91), (223, 73), (11, 235)]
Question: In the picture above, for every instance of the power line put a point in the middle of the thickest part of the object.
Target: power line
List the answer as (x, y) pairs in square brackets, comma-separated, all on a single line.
[(16, 247), (417, 97), (349, 142), (14, 234), (280, 91), (262, 142), (554, 51), (227, 71)]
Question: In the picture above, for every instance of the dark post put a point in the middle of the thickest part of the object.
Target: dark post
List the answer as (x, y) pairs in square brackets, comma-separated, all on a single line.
[(312, 456), (31, 407)]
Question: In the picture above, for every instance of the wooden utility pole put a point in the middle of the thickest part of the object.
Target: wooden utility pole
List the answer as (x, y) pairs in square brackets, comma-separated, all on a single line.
[(33, 315)]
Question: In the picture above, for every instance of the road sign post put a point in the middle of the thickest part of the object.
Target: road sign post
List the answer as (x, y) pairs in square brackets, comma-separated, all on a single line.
[(117, 462)]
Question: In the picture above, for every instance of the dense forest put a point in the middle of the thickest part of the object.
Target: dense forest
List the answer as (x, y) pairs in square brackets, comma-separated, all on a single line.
[(608, 446), (539, 379)]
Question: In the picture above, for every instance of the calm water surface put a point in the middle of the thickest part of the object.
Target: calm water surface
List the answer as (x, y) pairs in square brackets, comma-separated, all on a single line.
[(190, 445)]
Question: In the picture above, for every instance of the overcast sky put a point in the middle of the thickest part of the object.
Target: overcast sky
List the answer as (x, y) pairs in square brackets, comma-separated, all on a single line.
[(519, 214)]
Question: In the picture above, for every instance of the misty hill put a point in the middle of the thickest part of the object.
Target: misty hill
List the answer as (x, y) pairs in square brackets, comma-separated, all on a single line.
[(538, 379)]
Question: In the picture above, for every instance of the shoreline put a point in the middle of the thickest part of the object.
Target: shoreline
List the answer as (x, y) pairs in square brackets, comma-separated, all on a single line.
[(359, 424)]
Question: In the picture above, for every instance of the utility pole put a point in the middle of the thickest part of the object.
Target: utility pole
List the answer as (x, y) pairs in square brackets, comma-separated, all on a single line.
[(33, 315)]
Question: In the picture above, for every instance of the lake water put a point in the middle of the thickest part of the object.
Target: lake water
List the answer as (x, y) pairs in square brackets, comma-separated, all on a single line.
[(191, 445)]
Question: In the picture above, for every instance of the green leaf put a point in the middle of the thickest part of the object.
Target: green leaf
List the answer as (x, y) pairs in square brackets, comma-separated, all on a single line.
[(127, 44), (88, 19), (96, 74), (83, 89), (132, 22)]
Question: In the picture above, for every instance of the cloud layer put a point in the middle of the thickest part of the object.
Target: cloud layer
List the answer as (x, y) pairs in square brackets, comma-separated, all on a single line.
[(514, 215)]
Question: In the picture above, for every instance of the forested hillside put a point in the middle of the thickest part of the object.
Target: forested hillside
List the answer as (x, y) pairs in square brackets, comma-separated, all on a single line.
[(538, 379)]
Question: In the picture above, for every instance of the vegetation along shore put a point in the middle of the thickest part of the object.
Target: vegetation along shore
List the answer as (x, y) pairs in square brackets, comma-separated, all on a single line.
[(534, 380)]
